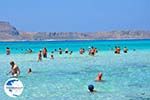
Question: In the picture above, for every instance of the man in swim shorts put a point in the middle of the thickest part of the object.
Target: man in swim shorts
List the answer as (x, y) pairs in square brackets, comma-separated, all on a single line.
[(15, 71)]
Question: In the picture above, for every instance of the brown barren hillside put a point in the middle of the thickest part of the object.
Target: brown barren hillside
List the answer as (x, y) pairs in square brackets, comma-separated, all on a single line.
[(10, 33)]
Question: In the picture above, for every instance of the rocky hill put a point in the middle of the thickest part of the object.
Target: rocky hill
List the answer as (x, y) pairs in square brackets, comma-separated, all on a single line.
[(10, 33), (85, 36)]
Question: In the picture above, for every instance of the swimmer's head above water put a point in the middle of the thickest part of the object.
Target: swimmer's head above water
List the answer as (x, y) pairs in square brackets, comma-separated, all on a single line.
[(91, 88), (12, 63), (29, 70)]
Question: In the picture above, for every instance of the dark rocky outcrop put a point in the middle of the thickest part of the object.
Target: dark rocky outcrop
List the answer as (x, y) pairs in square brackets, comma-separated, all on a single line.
[(8, 32), (6, 28)]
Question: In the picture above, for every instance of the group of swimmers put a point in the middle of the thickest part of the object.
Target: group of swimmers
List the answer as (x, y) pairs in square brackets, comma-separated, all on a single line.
[(15, 71), (117, 50), (91, 51), (60, 51), (44, 54)]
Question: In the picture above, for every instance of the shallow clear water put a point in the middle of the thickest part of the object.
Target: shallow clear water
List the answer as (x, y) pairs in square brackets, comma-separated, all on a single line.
[(125, 76)]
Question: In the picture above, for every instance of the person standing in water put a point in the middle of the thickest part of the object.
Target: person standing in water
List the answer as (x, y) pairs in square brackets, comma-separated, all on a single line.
[(99, 77), (117, 50), (81, 51), (60, 51), (40, 56), (7, 51), (15, 71), (125, 50), (44, 53)]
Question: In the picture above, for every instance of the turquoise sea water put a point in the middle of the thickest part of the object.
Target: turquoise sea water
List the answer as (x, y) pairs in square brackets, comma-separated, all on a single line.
[(66, 77)]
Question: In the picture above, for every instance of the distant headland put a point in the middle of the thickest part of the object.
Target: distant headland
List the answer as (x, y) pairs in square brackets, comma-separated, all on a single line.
[(10, 33)]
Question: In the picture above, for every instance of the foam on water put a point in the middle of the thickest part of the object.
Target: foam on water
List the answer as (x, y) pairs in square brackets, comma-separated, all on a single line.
[(125, 76)]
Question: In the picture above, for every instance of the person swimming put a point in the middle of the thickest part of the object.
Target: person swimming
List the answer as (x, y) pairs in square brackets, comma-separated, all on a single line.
[(71, 52), (29, 70), (66, 50), (52, 57), (125, 50), (55, 50), (96, 50), (15, 71), (30, 50), (91, 88), (7, 51), (99, 77)]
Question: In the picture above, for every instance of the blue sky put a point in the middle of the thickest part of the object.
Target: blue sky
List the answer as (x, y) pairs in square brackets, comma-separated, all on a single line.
[(76, 15)]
